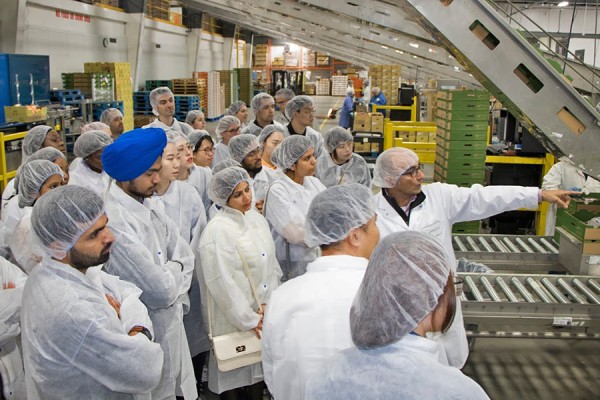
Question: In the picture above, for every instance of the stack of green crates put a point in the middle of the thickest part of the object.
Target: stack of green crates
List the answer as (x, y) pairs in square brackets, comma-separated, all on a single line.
[(462, 124)]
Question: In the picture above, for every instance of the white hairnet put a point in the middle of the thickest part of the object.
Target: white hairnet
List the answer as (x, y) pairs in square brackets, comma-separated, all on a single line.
[(90, 142), (224, 182), (225, 123), (62, 215), (350, 91), (405, 278), (257, 100), (376, 90), (109, 115), (32, 176), (34, 139), (196, 136), (226, 163), (47, 153), (240, 146), (268, 131), (192, 115), (174, 136), (235, 107), (391, 164), (334, 212), (155, 94), (290, 151), (94, 126), (335, 137), (296, 104), (286, 93)]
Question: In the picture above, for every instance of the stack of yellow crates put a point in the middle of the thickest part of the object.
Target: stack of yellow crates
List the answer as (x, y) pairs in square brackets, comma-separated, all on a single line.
[(386, 78), (123, 89)]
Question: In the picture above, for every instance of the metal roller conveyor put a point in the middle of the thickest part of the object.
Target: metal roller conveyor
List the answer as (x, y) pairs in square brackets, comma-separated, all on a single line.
[(519, 305), (536, 254)]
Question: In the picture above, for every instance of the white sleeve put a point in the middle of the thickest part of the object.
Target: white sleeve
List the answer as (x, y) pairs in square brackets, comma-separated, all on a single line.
[(287, 219), (10, 300), (554, 178)]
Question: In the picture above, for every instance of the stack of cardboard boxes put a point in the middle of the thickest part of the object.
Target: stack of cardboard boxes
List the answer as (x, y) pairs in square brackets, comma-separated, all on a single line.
[(386, 78), (368, 122), (260, 55), (323, 87), (214, 107), (339, 84)]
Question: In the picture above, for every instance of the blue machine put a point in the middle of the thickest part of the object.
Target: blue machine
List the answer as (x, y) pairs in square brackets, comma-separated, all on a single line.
[(28, 68)]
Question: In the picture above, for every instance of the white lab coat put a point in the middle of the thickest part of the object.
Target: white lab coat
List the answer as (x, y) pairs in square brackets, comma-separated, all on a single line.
[(8, 192), (12, 215), (444, 206), (180, 127), (255, 130), (307, 322), (565, 176), (286, 208), (314, 136), (25, 252), (200, 178), (411, 368), (229, 238), (221, 153), (82, 175), (74, 343), (150, 252), (11, 363), (355, 170)]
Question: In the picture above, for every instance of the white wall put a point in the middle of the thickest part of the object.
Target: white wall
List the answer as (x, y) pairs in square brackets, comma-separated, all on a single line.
[(71, 43)]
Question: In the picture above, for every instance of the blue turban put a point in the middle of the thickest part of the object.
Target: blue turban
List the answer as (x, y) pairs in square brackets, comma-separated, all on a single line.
[(133, 153)]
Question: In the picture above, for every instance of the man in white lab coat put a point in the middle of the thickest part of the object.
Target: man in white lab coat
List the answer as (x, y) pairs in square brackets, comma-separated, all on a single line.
[(85, 333), (150, 252), (405, 204), (307, 318), (162, 101)]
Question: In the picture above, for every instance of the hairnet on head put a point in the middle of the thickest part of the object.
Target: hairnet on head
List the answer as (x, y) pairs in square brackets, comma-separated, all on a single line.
[(224, 182), (174, 136), (95, 126), (62, 215), (225, 123), (34, 139), (296, 104), (192, 115), (196, 137), (240, 146), (405, 277), (376, 90), (290, 151), (47, 153), (335, 137), (235, 107), (257, 100), (90, 142), (133, 153), (226, 163), (391, 164), (32, 176), (155, 94), (350, 91), (334, 212), (109, 115), (286, 93), (266, 132)]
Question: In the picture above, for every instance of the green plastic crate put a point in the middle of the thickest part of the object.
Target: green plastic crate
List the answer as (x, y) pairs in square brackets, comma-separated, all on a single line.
[(466, 227), (463, 115), (576, 224), (462, 125), (463, 145), (466, 105), (458, 164), (463, 95), (462, 135)]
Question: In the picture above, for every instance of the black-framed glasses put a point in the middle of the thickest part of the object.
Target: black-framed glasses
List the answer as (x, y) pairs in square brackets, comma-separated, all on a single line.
[(239, 128), (413, 171), (458, 285), (208, 150)]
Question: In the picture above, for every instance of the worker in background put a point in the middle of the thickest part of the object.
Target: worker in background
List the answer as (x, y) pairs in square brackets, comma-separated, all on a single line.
[(201, 175), (113, 117), (163, 106), (287, 204), (407, 294), (85, 333), (227, 128), (378, 99), (347, 110), (270, 137), (404, 204), (149, 251), (301, 112), (282, 96), (239, 110), (306, 321), (12, 374), (263, 106), (96, 126), (196, 119), (566, 175), (88, 172), (339, 165), (245, 149)]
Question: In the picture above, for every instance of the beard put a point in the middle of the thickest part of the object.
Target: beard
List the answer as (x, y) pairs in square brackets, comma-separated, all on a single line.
[(81, 261), (252, 169), (133, 189)]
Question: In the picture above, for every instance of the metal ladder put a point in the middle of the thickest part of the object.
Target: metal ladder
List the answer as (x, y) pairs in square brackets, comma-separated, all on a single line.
[(526, 84)]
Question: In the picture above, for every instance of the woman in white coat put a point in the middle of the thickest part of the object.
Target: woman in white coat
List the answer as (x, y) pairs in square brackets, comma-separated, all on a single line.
[(407, 292), (88, 172), (200, 174), (236, 240), (228, 127), (287, 204)]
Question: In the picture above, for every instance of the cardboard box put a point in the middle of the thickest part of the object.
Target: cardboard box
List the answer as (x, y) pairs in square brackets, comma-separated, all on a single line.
[(376, 122), (422, 137), (25, 113), (362, 122), (361, 108)]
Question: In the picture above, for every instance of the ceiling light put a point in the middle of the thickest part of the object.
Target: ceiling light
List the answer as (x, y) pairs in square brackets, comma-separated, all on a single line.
[(415, 45), (431, 50), (563, 4), (384, 47), (456, 69), (415, 57), (399, 52)]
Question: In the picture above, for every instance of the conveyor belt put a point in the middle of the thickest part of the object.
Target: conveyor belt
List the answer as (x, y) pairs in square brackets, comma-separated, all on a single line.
[(512, 305), (509, 252)]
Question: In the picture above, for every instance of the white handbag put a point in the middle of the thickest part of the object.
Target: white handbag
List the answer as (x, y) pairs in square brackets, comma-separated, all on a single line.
[(237, 349)]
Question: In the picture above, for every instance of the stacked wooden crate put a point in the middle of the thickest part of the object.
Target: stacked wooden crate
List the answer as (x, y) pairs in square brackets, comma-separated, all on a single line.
[(214, 107), (260, 55), (386, 78), (158, 9), (339, 84)]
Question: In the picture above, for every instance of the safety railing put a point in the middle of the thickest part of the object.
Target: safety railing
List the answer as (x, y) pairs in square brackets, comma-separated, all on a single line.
[(6, 175)]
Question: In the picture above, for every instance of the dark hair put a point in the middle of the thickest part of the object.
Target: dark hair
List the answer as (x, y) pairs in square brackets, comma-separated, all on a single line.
[(447, 298), (201, 141)]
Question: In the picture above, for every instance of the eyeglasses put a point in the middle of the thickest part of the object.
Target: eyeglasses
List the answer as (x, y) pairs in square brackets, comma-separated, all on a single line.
[(347, 145), (233, 130), (458, 285), (413, 171), (208, 150)]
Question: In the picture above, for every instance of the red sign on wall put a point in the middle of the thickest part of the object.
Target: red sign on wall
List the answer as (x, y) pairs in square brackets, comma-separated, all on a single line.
[(72, 16)]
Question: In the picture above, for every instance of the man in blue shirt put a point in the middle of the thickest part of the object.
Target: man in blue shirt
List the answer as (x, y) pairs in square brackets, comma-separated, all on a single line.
[(378, 99)]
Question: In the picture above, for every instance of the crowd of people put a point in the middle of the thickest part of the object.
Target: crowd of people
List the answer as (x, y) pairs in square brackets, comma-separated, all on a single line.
[(121, 270)]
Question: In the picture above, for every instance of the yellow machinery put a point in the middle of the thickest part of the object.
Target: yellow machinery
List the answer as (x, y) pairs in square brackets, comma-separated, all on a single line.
[(6, 175)]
